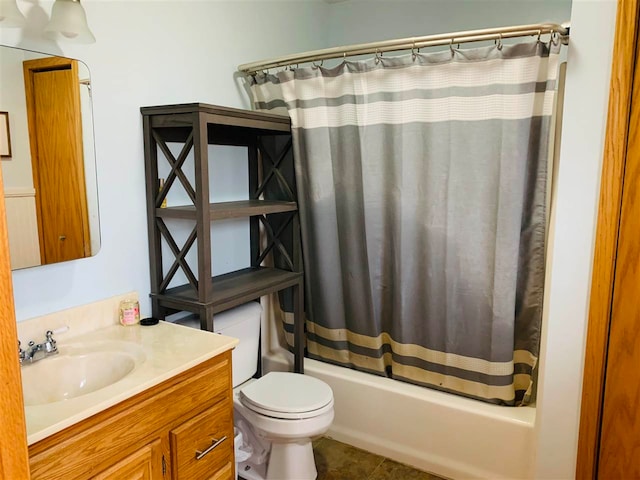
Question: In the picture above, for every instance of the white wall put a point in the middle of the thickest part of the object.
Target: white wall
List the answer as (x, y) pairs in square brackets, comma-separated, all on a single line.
[(359, 21), (149, 53), (569, 279), (16, 171)]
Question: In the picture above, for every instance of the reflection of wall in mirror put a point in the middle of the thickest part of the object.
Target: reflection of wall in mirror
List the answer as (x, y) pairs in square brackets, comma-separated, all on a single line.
[(90, 174), (18, 181)]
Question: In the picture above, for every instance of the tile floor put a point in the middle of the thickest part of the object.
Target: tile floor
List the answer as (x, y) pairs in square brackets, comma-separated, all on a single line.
[(339, 461)]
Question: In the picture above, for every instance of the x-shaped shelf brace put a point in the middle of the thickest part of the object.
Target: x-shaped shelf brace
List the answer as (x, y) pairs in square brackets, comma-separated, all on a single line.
[(274, 171), (176, 168), (179, 256), (274, 240), (176, 172)]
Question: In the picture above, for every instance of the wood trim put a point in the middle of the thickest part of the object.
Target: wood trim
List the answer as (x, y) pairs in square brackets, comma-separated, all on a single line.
[(620, 424), (14, 457), (33, 146), (615, 152)]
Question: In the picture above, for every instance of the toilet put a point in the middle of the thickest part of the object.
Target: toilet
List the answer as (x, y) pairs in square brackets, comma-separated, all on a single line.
[(278, 414)]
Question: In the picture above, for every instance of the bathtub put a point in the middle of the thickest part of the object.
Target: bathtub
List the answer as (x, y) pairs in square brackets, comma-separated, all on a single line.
[(434, 431)]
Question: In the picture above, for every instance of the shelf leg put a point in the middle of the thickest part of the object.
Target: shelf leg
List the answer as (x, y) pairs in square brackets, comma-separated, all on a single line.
[(157, 310), (298, 327), (206, 318)]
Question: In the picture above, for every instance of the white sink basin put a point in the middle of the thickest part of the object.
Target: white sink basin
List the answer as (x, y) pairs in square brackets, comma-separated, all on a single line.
[(79, 369)]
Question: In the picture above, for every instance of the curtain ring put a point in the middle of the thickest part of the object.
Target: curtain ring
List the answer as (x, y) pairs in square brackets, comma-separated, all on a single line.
[(539, 34), (413, 51), (555, 37), (317, 65), (499, 42), (453, 52), (378, 55)]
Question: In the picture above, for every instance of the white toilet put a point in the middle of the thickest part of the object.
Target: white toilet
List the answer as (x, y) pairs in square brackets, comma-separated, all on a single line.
[(279, 413)]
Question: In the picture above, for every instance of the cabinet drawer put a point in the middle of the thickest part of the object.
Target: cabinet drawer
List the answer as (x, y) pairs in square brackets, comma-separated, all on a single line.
[(203, 445)]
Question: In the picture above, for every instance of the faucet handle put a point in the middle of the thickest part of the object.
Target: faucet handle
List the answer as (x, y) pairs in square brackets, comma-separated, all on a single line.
[(50, 343), (21, 352)]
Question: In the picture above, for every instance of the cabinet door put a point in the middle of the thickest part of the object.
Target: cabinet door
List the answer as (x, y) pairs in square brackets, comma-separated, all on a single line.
[(143, 464), (203, 447)]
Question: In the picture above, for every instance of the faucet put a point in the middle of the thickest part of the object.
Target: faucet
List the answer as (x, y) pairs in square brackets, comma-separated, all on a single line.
[(38, 351)]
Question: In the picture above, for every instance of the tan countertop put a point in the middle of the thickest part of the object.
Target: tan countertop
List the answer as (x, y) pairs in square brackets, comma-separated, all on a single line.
[(168, 350)]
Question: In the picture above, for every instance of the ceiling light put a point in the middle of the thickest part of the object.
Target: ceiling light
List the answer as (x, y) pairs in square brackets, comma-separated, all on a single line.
[(69, 21)]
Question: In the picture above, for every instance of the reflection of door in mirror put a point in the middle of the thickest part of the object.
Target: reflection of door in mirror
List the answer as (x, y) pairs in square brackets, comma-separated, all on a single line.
[(57, 169), (55, 132)]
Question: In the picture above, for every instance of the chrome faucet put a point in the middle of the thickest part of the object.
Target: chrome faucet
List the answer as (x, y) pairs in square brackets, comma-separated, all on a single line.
[(38, 351)]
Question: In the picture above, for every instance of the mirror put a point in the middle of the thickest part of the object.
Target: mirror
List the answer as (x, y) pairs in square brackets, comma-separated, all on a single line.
[(50, 184)]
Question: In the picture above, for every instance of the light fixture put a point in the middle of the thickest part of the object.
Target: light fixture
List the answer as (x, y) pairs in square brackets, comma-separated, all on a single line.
[(69, 20), (10, 15)]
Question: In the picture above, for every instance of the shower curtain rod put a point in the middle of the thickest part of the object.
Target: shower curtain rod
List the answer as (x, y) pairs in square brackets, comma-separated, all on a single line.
[(412, 43)]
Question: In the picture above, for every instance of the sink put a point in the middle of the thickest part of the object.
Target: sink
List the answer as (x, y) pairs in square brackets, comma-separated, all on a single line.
[(79, 369)]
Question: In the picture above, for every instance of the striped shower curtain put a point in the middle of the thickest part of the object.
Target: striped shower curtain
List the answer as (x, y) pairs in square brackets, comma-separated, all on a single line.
[(422, 190)]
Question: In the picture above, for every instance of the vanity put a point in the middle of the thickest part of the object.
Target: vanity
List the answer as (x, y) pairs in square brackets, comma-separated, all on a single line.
[(138, 402)]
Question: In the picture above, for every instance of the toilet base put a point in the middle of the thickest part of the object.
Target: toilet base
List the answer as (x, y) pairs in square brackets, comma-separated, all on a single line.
[(287, 461), (292, 461)]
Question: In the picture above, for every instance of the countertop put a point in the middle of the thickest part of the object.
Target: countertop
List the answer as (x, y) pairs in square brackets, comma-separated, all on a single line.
[(169, 349)]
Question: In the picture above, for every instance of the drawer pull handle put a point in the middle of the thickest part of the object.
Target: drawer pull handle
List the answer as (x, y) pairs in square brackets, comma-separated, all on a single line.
[(213, 445)]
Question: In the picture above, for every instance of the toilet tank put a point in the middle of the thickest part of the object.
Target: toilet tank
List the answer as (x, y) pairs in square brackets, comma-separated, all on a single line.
[(243, 323)]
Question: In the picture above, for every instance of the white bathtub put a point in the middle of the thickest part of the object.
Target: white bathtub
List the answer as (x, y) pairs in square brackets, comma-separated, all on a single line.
[(434, 431)]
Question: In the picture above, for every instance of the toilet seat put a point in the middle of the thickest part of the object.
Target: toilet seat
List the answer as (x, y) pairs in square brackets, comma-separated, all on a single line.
[(287, 396)]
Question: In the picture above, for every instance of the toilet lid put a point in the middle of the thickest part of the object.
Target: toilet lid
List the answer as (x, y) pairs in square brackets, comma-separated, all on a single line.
[(286, 393)]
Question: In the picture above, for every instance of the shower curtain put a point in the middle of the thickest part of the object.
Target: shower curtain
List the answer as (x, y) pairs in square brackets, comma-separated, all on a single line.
[(422, 191)]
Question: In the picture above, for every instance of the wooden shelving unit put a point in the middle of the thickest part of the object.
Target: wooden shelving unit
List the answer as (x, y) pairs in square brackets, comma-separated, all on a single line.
[(272, 209)]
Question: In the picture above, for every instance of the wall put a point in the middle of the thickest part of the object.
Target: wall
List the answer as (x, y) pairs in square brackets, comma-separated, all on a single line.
[(16, 171), (360, 21), (149, 53), (571, 249)]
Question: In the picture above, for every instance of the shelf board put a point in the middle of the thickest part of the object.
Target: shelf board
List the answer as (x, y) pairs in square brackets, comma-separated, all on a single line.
[(222, 115), (225, 126), (226, 210), (231, 289)]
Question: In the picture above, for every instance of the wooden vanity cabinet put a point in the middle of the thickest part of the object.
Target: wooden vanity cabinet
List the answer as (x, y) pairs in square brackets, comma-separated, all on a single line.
[(166, 432)]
